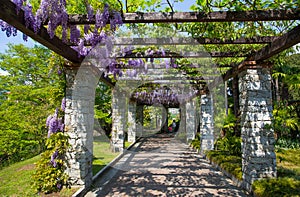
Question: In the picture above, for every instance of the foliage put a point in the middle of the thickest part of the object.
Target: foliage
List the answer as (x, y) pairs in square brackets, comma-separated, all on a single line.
[(232, 164), (289, 143), (196, 143), (228, 142), (31, 90), (288, 173), (102, 107), (276, 187)]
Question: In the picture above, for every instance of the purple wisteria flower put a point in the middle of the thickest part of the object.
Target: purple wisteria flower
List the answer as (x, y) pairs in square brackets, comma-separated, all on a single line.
[(63, 104), (19, 4), (53, 157)]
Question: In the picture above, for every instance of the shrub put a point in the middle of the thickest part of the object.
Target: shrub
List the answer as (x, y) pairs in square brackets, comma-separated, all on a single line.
[(232, 164), (287, 143), (230, 144), (195, 143)]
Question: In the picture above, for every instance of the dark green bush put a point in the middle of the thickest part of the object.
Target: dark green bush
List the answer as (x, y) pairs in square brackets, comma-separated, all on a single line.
[(230, 144), (232, 164), (195, 143), (287, 143)]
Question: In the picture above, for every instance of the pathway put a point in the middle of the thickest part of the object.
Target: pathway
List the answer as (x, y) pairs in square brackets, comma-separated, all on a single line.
[(163, 166)]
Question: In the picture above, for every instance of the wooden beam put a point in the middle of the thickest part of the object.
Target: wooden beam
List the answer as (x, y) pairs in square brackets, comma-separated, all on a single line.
[(180, 17), (185, 55), (9, 15), (280, 44), (187, 41)]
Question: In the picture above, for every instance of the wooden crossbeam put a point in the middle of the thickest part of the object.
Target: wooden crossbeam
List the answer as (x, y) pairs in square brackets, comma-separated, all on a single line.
[(186, 41), (185, 55), (9, 15), (180, 17)]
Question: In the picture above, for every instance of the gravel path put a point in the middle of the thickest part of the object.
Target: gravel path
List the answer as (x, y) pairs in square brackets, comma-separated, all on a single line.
[(163, 166)]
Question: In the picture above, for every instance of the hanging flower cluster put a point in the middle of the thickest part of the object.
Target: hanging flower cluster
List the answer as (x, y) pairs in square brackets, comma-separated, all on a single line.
[(54, 125), (162, 96), (54, 13), (8, 29)]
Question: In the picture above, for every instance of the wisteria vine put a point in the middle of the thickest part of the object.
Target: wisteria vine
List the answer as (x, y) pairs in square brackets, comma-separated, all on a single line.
[(162, 96), (54, 13), (55, 124)]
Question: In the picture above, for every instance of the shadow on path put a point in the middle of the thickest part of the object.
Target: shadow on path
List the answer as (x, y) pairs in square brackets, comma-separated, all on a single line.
[(163, 166)]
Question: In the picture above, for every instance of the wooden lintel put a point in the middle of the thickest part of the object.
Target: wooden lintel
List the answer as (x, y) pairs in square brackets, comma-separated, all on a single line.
[(9, 15), (185, 55), (186, 41), (181, 17)]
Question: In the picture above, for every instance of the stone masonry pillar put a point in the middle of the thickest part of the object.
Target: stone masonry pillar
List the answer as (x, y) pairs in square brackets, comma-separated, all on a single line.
[(182, 125), (131, 121), (190, 118), (79, 122), (139, 120), (258, 157), (118, 120), (206, 123)]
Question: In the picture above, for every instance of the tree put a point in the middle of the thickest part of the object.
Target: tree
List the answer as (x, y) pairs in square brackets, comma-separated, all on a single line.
[(30, 91)]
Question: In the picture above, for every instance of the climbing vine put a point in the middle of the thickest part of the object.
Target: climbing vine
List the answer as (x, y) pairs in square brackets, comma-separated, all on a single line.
[(50, 173)]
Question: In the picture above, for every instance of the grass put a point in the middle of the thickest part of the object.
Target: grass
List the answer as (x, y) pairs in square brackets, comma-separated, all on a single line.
[(102, 153), (15, 180), (287, 183)]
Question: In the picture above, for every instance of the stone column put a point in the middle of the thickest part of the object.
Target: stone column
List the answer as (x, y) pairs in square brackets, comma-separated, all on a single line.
[(258, 157), (118, 120), (190, 118), (182, 126), (139, 120), (79, 122), (131, 121), (206, 123)]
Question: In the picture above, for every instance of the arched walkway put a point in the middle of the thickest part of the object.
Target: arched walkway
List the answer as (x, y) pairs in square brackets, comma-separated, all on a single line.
[(161, 165)]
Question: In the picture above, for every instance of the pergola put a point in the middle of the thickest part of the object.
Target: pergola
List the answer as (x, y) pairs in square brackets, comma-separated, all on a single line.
[(251, 80)]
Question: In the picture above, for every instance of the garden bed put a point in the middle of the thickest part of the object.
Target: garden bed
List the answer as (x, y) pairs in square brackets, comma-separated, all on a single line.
[(288, 170)]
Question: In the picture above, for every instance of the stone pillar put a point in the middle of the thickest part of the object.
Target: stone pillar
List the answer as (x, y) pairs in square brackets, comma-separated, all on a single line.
[(79, 122), (206, 123), (258, 156), (182, 126), (190, 118), (139, 120), (164, 116), (131, 121), (118, 120)]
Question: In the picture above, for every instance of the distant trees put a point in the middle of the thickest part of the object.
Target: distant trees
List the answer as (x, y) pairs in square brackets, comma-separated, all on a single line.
[(28, 95)]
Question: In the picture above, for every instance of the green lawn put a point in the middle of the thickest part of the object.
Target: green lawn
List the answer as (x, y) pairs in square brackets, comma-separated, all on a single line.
[(15, 180), (102, 153)]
